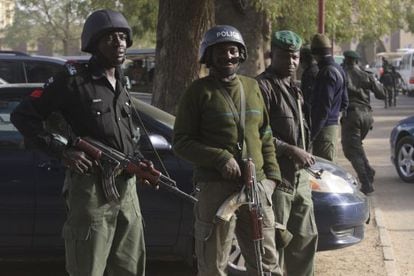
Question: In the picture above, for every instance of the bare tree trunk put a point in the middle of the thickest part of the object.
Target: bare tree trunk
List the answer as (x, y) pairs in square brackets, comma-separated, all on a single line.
[(181, 26), (255, 28)]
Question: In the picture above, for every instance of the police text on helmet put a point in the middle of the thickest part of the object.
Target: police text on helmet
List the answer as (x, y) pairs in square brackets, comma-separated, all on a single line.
[(228, 34)]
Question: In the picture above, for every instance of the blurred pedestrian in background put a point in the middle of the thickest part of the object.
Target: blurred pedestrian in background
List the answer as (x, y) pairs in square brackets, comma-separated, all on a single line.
[(388, 79), (358, 119)]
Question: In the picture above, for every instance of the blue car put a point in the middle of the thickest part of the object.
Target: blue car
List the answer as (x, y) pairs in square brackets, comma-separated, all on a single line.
[(32, 210), (402, 148)]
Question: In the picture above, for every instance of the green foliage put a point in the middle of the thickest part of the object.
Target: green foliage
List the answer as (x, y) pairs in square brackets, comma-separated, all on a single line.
[(344, 19), (61, 21)]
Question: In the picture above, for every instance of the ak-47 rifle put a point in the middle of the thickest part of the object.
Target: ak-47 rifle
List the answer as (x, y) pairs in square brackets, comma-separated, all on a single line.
[(113, 161), (248, 195)]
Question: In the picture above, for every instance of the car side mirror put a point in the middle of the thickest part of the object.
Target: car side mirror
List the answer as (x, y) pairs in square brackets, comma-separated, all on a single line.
[(159, 142)]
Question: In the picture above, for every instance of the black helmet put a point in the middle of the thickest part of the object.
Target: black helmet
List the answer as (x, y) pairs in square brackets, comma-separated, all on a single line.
[(100, 22), (220, 34)]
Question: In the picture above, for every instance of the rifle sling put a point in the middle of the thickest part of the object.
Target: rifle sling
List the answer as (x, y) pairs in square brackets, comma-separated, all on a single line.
[(240, 119)]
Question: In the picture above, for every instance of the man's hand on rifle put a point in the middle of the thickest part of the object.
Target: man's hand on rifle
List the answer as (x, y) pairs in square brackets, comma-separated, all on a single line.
[(301, 157), (147, 165), (231, 170), (77, 160)]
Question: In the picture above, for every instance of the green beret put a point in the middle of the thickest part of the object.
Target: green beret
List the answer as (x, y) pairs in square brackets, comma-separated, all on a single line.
[(351, 54), (287, 40)]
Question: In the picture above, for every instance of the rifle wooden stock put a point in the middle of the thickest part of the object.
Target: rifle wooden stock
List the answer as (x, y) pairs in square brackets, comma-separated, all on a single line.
[(255, 209), (142, 169), (230, 205), (248, 195)]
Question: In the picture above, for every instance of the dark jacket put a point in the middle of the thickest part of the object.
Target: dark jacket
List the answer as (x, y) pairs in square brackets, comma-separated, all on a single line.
[(87, 102), (282, 104), (360, 83), (307, 82), (388, 79), (329, 95)]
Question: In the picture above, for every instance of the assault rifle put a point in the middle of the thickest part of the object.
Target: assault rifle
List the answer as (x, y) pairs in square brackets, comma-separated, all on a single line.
[(248, 195), (113, 162)]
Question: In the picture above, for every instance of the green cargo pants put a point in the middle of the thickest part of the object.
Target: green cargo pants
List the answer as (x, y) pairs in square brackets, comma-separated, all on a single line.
[(213, 237), (98, 236), (354, 128), (324, 144), (297, 235)]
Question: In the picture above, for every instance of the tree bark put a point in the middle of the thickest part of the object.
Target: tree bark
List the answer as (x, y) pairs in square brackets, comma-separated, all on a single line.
[(181, 26), (255, 29)]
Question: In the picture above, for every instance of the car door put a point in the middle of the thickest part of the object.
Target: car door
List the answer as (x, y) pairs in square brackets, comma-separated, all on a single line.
[(12, 71), (162, 211), (50, 207), (17, 184)]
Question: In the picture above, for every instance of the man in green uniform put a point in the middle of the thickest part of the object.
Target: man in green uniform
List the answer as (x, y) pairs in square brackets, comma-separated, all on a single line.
[(296, 232), (358, 120), (99, 235), (209, 133)]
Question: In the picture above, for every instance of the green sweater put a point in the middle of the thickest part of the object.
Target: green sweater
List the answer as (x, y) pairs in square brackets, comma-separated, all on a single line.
[(205, 131)]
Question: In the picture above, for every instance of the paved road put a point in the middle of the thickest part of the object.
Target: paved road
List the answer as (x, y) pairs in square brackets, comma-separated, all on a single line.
[(393, 197), (387, 249)]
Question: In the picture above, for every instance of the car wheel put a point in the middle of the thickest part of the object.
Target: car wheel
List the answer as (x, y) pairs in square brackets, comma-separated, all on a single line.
[(405, 159), (236, 265)]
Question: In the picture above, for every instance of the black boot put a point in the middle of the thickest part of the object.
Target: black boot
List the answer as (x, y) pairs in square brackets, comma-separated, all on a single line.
[(367, 188)]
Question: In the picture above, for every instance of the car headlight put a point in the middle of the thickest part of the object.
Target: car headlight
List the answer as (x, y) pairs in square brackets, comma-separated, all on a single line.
[(330, 183)]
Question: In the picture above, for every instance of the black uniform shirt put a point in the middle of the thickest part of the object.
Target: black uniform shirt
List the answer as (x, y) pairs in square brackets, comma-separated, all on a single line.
[(90, 105)]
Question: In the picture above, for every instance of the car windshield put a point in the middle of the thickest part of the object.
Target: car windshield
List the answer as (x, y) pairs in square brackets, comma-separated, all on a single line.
[(155, 113)]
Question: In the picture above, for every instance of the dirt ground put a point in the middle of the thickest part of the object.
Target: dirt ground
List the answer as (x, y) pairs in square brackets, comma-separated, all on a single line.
[(363, 259)]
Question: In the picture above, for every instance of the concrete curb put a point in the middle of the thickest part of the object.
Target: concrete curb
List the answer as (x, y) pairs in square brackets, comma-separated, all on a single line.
[(385, 242)]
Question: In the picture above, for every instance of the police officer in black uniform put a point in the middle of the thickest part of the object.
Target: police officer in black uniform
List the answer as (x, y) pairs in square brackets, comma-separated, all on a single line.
[(358, 119), (99, 235)]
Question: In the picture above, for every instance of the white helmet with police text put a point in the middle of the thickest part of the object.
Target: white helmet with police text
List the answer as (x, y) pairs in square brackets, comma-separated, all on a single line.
[(220, 34)]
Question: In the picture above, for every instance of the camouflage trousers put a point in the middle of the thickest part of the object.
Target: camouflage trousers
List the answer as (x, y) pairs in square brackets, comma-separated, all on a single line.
[(296, 232), (100, 237), (214, 237), (324, 144)]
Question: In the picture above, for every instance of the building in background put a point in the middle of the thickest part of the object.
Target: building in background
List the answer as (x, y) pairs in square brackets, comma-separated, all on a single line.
[(6, 13), (368, 50)]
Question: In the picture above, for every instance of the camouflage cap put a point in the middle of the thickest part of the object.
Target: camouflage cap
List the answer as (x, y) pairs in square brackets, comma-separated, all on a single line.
[(351, 54), (287, 40)]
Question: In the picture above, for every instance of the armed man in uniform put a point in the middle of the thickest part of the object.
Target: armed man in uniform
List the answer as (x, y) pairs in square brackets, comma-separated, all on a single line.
[(208, 132), (358, 119), (100, 236), (296, 232)]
